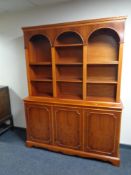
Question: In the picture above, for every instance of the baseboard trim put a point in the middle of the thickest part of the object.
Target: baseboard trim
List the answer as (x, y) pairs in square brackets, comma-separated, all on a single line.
[(125, 146), (19, 128)]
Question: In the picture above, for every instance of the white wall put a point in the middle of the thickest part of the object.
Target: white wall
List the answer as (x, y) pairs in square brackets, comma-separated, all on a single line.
[(12, 58)]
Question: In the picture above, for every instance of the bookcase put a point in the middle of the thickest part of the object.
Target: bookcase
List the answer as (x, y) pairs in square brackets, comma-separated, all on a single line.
[(74, 77)]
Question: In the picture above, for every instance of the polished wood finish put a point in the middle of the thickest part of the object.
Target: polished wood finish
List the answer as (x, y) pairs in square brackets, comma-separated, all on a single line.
[(101, 136), (67, 127), (74, 74), (40, 127)]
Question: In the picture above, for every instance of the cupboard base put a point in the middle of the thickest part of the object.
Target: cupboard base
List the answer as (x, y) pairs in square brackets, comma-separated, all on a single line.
[(113, 160)]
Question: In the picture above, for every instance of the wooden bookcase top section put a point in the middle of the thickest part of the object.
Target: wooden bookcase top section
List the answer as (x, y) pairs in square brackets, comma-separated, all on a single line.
[(76, 60), (84, 28)]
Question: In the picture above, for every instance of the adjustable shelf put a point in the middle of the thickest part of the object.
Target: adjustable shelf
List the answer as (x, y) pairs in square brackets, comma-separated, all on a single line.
[(101, 82), (70, 80), (40, 63), (41, 80), (102, 62), (69, 64)]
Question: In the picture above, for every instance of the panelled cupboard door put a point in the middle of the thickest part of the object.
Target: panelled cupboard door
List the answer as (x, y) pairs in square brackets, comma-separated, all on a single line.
[(67, 127), (101, 131), (39, 123)]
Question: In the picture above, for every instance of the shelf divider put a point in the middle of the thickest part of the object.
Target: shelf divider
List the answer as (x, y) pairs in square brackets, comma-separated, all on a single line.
[(84, 71), (54, 71), (28, 71)]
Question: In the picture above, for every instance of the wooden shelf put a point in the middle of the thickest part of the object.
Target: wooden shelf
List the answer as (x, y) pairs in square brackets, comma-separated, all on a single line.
[(101, 82), (40, 63), (102, 62), (42, 80), (68, 64), (70, 80), (68, 45)]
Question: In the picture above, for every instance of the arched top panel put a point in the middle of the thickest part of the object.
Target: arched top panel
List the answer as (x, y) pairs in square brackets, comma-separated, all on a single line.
[(104, 33), (103, 45), (39, 38), (40, 48), (68, 37)]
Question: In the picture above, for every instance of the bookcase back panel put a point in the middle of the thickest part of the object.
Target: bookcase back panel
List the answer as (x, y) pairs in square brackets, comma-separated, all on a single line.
[(69, 55), (101, 92), (69, 90), (102, 73), (38, 72), (69, 72), (42, 89), (40, 49), (103, 45)]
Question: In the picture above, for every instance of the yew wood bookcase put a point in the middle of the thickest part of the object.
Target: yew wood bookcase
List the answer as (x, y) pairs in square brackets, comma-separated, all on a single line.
[(74, 76)]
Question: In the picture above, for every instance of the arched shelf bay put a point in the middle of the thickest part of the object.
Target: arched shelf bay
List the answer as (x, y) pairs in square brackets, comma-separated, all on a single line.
[(69, 58), (102, 60), (69, 48), (40, 49), (103, 45)]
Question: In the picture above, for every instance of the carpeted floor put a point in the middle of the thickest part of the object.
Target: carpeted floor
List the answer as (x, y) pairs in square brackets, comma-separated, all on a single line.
[(17, 159)]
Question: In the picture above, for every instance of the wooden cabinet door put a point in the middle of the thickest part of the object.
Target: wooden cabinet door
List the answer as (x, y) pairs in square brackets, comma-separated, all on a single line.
[(39, 123), (101, 131), (67, 127)]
